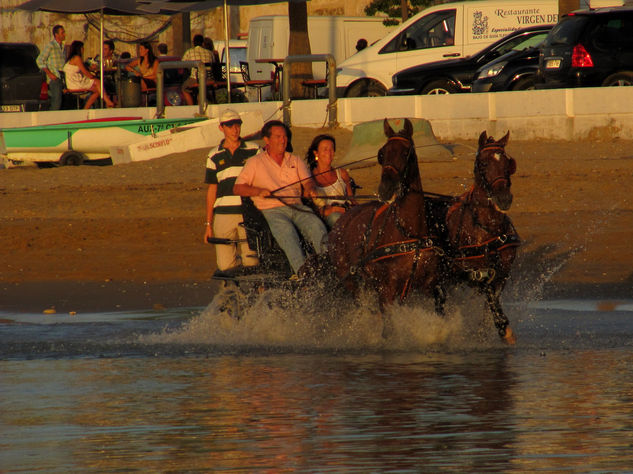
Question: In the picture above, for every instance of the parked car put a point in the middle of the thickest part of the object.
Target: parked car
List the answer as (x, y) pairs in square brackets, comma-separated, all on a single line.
[(456, 75), (514, 71), (589, 48), (22, 84)]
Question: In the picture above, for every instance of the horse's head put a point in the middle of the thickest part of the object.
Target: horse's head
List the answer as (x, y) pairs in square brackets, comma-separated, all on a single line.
[(493, 168), (399, 163)]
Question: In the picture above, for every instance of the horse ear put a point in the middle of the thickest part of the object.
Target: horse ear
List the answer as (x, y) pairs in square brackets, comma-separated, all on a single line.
[(504, 141), (408, 128), (482, 139), (388, 130)]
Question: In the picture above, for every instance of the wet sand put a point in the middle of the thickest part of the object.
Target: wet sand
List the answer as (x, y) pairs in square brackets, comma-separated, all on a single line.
[(108, 238)]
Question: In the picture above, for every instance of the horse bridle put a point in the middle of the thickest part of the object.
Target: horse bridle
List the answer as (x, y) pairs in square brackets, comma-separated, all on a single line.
[(487, 185), (410, 154)]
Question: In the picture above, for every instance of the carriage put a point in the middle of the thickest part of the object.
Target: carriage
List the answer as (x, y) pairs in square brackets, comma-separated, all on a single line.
[(408, 241)]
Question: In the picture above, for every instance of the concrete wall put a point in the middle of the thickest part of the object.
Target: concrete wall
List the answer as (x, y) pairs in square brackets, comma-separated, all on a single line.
[(561, 114), (565, 114)]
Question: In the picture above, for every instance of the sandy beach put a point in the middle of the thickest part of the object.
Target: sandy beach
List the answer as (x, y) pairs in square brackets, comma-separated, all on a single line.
[(108, 238)]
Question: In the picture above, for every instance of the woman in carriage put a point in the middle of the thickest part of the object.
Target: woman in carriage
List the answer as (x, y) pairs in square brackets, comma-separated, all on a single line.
[(333, 183)]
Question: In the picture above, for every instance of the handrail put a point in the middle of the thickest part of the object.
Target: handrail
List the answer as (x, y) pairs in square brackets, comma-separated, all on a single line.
[(331, 83), (160, 84)]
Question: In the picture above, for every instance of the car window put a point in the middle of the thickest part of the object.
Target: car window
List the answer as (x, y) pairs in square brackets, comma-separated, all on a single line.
[(430, 31), (611, 33), (15, 61), (530, 42), (566, 32), (517, 43)]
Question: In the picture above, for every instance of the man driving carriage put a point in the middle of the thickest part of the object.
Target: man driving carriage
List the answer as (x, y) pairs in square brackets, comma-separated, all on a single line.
[(224, 208), (276, 171)]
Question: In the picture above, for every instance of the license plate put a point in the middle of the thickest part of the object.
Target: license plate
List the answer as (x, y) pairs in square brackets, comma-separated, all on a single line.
[(10, 108), (552, 64)]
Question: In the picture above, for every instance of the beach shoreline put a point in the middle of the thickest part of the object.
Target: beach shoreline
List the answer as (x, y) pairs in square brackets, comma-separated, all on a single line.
[(110, 238)]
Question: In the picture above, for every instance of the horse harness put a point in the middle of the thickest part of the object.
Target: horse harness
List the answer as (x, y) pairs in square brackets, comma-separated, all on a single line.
[(487, 250), (409, 246)]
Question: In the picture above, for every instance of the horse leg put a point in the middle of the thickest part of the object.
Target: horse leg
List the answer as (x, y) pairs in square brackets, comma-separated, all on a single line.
[(385, 299), (498, 316), (439, 295)]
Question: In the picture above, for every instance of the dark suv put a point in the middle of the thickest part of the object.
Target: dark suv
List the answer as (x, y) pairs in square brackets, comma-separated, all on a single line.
[(589, 48), (21, 80)]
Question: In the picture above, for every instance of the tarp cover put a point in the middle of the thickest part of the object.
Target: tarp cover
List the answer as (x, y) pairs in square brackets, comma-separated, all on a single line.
[(369, 137)]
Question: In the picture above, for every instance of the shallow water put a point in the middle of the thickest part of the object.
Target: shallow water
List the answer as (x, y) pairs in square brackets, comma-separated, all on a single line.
[(293, 388)]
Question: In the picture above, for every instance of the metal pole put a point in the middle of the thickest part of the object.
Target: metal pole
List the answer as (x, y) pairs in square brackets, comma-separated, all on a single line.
[(101, 57), (228, 53)]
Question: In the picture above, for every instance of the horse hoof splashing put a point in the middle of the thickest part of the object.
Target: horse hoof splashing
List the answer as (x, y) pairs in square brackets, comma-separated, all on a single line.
[(402, 244)]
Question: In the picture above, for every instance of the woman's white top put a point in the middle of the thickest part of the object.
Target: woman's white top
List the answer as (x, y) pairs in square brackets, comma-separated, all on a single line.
[(75, 79), (337, 188)]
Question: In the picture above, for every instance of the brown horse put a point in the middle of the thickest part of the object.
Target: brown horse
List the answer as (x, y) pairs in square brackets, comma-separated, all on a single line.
[(482, 241), (386, 245)]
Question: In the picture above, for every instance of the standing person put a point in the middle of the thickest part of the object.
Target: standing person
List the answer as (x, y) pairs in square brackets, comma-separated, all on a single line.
[(196, 53), (78, 77), (224, 208), (274, 170), (329, 181), (51, 61), (145, 66)]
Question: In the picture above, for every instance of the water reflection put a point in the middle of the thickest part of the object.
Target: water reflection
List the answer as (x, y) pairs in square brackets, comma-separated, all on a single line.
[(101, 398), (270, 412)]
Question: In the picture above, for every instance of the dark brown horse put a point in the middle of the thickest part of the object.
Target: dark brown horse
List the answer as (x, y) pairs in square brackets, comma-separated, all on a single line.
[(386, 245), (482, 241)]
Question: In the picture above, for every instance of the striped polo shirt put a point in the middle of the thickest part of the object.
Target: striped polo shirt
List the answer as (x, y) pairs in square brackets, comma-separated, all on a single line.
[(222, 169)]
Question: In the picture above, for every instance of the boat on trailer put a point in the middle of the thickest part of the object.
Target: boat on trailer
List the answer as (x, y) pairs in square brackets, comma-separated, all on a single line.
[(72, 143)]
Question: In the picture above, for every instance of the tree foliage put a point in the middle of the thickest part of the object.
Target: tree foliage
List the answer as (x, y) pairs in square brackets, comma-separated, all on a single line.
[(393, 9)]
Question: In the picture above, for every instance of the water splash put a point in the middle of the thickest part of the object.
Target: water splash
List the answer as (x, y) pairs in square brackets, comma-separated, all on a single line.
[(286, 320)]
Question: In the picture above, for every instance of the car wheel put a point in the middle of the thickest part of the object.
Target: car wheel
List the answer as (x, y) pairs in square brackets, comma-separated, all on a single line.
[(366, 89), (71, 158), (524, 84), (624, 78), (439, 88)]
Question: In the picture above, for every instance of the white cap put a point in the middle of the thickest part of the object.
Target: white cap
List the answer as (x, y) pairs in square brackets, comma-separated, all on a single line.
[(229, 115)]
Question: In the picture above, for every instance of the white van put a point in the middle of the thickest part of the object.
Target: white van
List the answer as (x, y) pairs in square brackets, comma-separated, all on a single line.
[(337, 35), (450, 30)]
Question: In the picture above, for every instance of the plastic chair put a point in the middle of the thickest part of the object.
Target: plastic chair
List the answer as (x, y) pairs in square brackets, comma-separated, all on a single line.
[(258, 84)]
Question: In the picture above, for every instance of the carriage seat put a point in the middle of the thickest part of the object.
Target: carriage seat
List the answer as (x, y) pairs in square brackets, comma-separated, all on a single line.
[(260, 239)]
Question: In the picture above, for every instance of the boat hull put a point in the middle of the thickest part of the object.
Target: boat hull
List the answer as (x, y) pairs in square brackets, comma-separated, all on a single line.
[(92, 138)]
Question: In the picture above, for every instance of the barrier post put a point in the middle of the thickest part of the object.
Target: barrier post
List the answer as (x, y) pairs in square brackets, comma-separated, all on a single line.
[(332, 106)]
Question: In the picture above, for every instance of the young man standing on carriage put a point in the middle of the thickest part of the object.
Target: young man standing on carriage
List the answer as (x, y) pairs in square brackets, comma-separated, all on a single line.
[(224, 208), (276, 171)]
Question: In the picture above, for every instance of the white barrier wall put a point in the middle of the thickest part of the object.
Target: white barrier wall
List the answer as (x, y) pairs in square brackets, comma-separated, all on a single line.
[(561, 114), (564, 114)]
